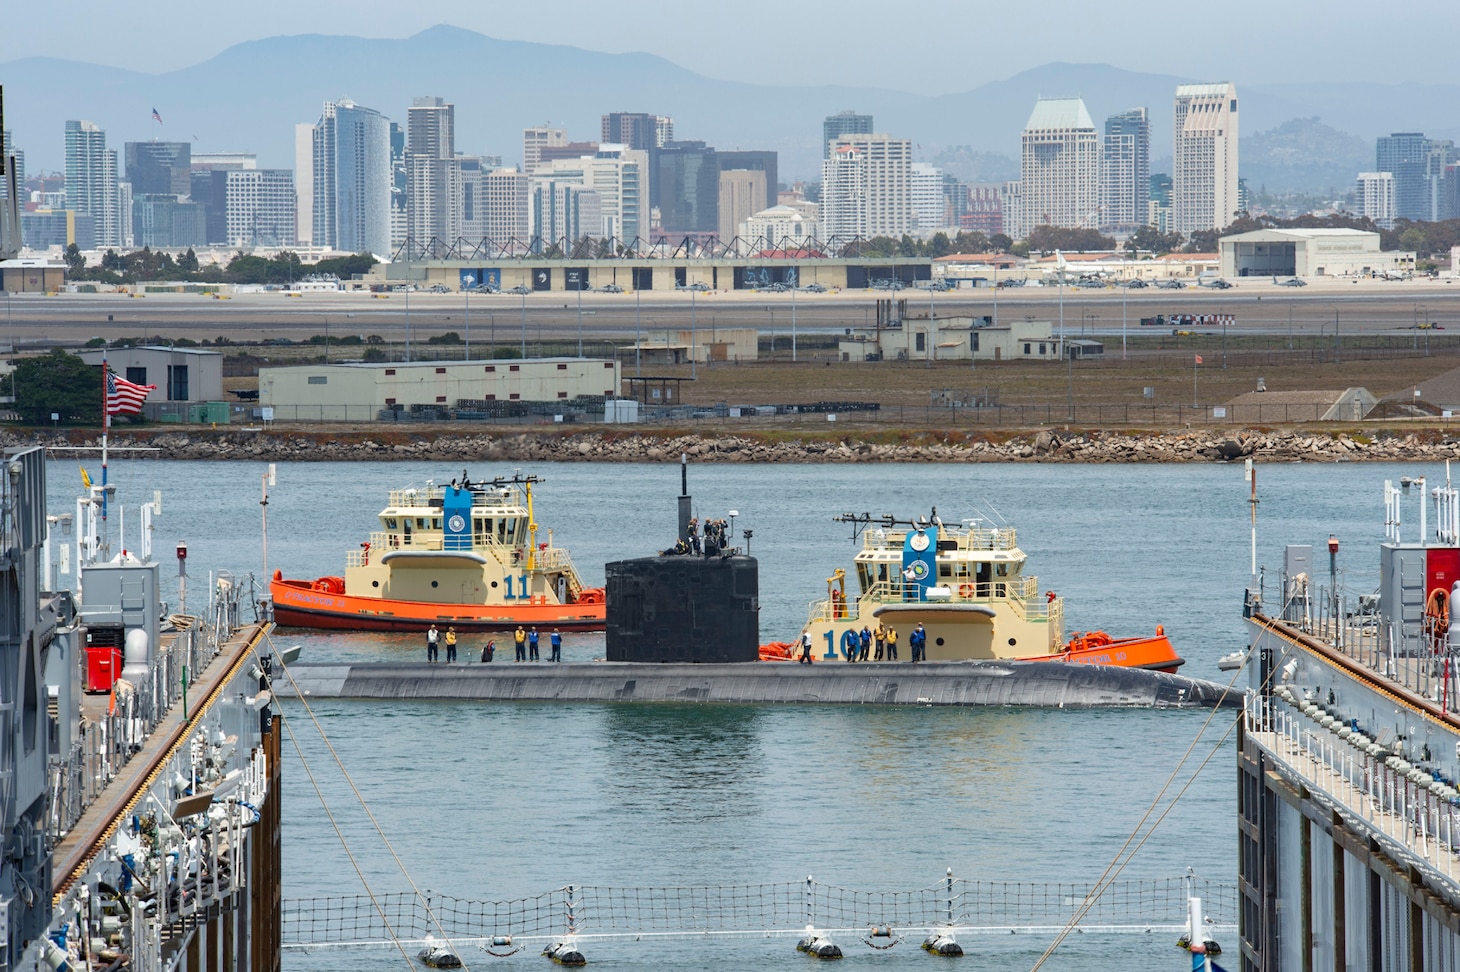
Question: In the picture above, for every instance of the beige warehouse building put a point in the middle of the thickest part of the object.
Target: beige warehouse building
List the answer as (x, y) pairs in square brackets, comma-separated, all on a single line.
[(389, 390)]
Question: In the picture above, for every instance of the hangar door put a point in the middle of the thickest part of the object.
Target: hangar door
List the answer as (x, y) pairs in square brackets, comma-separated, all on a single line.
[(1267, 259)]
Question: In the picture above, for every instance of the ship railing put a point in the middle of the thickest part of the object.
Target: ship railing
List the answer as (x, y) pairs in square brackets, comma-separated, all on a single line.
[(554, 559), (1020, 592), (1416, 657), (1385, 792), (105, 746), (976, 538)]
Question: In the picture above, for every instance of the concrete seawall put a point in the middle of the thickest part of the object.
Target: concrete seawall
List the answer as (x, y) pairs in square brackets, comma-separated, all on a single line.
[(1045, 684)]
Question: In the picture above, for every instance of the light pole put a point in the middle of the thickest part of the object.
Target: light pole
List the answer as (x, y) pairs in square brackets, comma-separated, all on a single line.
[(524, 324), (326, 338), (408, 323), (693, 334), (493, 342), (1062, 312), (638, 344), (466, 294), (793, 325), (580, 316), (1124, 293)]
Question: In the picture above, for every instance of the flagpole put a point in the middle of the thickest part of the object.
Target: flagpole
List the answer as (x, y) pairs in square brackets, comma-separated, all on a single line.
[(106, 424)]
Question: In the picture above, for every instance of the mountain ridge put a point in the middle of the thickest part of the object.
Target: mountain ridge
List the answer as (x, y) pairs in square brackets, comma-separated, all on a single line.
[(249, 96)]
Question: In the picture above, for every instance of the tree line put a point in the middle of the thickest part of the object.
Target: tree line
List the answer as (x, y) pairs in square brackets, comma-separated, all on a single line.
[(148, 264)]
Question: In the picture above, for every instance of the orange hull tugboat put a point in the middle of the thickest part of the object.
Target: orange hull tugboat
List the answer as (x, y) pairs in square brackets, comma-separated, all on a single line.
[(464, 555), (966, 586)]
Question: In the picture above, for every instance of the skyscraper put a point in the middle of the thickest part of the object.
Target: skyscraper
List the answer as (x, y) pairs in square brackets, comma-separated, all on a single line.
[(259, 207), (91, 180), (841, 124), (742, 195), (507, 218), (304, 184), (1125, 171), (1204, 168), (685, 183), (930, 205), (1406, 155), (9, 151), (434, 177), (1376, 197), (637, 130), (616, 175), (866, 187), (1060, 171), (352, 179), (158, 168), (534, 140)]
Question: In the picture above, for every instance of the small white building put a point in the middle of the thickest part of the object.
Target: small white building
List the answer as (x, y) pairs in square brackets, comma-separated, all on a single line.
[(180, 374), (365, 392), (782, 227), (951, 339), (701, 345), (1309, 253)]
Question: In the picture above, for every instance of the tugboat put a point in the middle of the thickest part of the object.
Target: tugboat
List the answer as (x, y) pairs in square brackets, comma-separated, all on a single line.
[(464, 555), (966, 586)]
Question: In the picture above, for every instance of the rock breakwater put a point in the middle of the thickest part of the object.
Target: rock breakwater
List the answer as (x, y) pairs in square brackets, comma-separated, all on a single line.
[(581, 445)]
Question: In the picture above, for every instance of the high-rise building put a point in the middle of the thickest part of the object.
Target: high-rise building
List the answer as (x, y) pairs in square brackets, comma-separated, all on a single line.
[(91, 180), (561, 213), (1204, 167), (1406, 156), (841, 124), (434, 188), (1060, 172), (929, 203), (8, 151), (1158, 209), (352, 179), (534, 140), (162, 221), (616, 176), (259, 207), (304, 184), (399, 186), (159, 168), (685, 183), (1375, 197), (636, 130), (756, 160), (866, 187), (1125, 171), (506, 200), (742, 195), (1438, 162)]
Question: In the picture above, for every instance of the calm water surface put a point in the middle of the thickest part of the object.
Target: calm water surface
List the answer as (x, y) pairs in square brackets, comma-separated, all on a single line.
[(499, 801)]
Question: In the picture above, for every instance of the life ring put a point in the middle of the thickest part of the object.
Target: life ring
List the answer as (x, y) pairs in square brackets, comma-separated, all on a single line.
[(966, 590)]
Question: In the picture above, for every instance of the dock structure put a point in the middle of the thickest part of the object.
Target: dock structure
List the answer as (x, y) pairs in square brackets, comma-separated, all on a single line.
[(1348, 762), (140, 759), (1052, 684)]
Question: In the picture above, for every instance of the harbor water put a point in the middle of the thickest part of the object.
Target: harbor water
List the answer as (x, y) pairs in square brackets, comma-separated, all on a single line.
[(502, 801)]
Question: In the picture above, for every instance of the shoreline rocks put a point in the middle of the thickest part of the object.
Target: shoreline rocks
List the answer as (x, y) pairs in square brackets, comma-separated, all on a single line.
[(598, 445)]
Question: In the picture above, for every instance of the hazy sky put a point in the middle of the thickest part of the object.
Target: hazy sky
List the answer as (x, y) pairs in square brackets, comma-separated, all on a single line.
[(933, 46)]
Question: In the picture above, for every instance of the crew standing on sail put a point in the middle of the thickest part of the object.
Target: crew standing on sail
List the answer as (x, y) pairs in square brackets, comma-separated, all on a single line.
[(431, 638)]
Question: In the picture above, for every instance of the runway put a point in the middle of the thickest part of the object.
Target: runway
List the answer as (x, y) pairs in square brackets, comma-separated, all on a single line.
[(1257, 306)]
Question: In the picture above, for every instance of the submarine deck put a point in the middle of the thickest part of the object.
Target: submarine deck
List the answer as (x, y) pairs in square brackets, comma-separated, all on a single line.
[(1044, 684)]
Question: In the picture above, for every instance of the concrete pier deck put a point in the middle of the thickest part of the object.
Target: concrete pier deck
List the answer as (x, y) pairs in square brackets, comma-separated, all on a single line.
[(1046, 684)]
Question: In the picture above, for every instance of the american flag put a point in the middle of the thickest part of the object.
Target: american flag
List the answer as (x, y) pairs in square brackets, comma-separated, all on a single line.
[(1198, 359), (156, 116), (124, 397)]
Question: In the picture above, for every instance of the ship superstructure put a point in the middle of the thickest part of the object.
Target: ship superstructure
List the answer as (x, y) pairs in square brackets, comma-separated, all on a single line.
[(1349, 755), (140, 758)]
